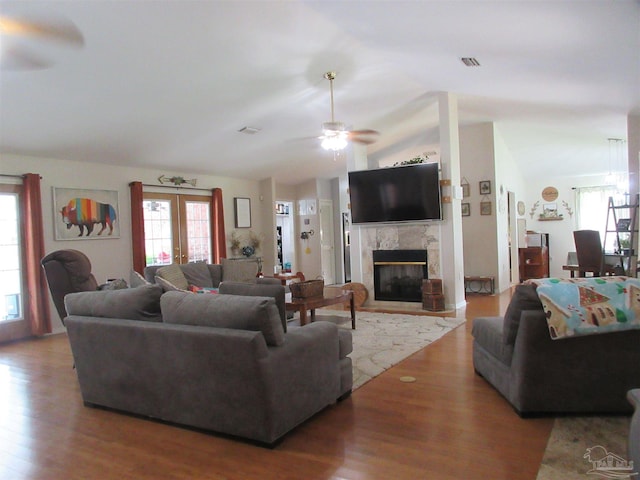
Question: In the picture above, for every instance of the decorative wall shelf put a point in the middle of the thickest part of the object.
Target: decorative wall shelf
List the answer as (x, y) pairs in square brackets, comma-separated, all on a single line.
[(550, 219)]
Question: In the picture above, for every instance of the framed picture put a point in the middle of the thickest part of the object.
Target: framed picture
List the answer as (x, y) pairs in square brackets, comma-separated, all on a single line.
[(550, 210), (82, 214), (466, 209), (242, 209), (485, 208), (624, 224), (485, 187), (466, 189)]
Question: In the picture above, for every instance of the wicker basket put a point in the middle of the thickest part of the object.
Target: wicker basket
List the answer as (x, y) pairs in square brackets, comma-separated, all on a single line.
[(309, 288)]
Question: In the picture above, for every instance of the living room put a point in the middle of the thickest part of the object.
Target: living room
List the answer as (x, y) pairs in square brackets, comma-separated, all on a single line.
[(205, 144)]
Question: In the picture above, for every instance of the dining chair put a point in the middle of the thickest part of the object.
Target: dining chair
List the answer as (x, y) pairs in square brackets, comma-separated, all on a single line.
[(590, 254)]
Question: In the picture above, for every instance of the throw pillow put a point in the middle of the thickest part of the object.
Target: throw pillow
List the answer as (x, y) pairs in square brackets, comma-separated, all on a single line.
[(142, 303), (239, 270), (194, 289), (525, 297), (197, 274), (117, 284), (137, 280), (167, 286), (225, 311), (173, 274)]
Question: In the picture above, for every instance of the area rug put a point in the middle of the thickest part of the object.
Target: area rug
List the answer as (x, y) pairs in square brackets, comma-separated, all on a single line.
[(382, 340), (578, 444)]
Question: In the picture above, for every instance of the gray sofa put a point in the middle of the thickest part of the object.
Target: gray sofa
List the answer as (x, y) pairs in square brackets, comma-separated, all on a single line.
[(211, 361), (588, 374), (634, 429), (210, 275)]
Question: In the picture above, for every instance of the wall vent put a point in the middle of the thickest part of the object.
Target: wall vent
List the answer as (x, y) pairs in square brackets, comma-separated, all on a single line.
[(249, 130), (470, 61)]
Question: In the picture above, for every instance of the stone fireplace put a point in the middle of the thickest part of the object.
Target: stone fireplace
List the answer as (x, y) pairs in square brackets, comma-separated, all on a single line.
[(397, 237), (398, 274)]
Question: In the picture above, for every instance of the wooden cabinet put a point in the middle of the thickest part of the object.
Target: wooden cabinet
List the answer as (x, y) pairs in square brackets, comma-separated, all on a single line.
[(534, 261)]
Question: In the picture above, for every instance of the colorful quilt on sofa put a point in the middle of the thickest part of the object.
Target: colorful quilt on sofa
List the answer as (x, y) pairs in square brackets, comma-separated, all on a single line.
[(586, 306)]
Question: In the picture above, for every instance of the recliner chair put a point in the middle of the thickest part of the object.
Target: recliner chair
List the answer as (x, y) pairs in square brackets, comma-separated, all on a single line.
[(67, 271)]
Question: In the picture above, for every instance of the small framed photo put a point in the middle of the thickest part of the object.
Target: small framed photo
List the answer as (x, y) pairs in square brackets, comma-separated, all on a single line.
[(624, 224), (550, 210), (466, 209), (466, 189), (485, 187), (485, 208)]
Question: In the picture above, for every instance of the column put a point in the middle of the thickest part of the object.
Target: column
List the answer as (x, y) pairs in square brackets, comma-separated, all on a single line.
[(451, 252)]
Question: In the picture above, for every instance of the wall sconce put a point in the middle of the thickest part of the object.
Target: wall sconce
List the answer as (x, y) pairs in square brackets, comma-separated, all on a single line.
[(306, 235)]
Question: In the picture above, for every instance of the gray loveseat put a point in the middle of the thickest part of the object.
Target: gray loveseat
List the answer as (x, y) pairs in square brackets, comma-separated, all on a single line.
[(211, 361), (588, 374)]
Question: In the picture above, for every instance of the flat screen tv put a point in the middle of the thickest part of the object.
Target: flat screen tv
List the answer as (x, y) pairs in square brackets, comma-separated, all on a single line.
[(396, 194)]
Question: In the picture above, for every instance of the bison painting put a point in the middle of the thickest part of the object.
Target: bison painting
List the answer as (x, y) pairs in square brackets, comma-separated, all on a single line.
[(85, 212)]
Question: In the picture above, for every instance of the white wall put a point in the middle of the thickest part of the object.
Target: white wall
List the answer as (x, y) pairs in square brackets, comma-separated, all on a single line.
[(111, 257), (508, 179), (480, 235), (560, 232)]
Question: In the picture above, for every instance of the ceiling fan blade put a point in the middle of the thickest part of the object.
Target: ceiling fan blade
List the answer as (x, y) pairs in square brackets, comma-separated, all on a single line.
[(365, 137), (56, 29), (20, 59)]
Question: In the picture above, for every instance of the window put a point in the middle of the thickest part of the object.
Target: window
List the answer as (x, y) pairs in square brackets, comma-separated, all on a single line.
[(592, 205)]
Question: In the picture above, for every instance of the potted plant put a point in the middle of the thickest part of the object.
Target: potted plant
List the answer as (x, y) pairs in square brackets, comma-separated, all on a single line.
[(624, 244)]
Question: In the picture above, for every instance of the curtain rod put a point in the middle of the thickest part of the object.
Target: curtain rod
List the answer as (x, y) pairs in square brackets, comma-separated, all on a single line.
[(12, 176), (186, 189)]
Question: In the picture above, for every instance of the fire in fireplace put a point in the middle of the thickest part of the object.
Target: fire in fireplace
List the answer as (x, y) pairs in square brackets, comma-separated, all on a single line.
[(398, 274)]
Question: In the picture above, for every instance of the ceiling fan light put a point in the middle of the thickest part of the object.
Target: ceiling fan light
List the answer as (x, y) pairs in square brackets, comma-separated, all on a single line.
[(334, 142)]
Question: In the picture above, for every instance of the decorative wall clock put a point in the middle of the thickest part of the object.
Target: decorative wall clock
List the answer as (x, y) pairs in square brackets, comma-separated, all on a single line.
[(549, 194)]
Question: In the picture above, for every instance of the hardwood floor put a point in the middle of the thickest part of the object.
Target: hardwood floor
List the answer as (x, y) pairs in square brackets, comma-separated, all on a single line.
[(449, 424)]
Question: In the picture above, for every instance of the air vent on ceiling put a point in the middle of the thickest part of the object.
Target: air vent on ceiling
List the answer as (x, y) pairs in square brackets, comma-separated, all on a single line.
[(470, 61), (249, 130)]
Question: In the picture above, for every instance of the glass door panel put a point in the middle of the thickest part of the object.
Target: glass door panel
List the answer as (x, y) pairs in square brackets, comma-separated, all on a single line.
[(10, 269), (198, 231), (158, 231)]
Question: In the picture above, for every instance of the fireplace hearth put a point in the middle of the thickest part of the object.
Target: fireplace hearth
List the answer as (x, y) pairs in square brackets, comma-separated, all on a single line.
[(398, 274)]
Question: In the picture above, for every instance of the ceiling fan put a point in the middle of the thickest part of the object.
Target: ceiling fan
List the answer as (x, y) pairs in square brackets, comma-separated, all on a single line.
[(335, 135), (23, 41)]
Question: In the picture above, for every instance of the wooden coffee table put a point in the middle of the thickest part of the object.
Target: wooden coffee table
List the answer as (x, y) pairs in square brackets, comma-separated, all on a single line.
[(303, 304)]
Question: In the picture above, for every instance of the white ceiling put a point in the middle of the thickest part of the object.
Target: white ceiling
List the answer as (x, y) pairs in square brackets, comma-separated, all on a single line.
[(168, 84)]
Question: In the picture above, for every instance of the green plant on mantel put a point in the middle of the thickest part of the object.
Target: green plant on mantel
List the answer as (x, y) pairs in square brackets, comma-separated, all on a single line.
[(413, 161)]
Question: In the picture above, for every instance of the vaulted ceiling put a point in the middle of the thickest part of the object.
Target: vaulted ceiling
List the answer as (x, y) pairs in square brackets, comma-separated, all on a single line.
[(167, 84)]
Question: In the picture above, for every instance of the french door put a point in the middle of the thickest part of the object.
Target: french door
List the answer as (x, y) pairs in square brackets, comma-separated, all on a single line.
[(177, 228), (13, 324)]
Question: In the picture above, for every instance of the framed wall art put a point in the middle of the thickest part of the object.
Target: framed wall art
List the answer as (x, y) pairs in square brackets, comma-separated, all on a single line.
[(83, 214), (485, 208), (466, 188), (466, 209), (242, 209), (485, 187)]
